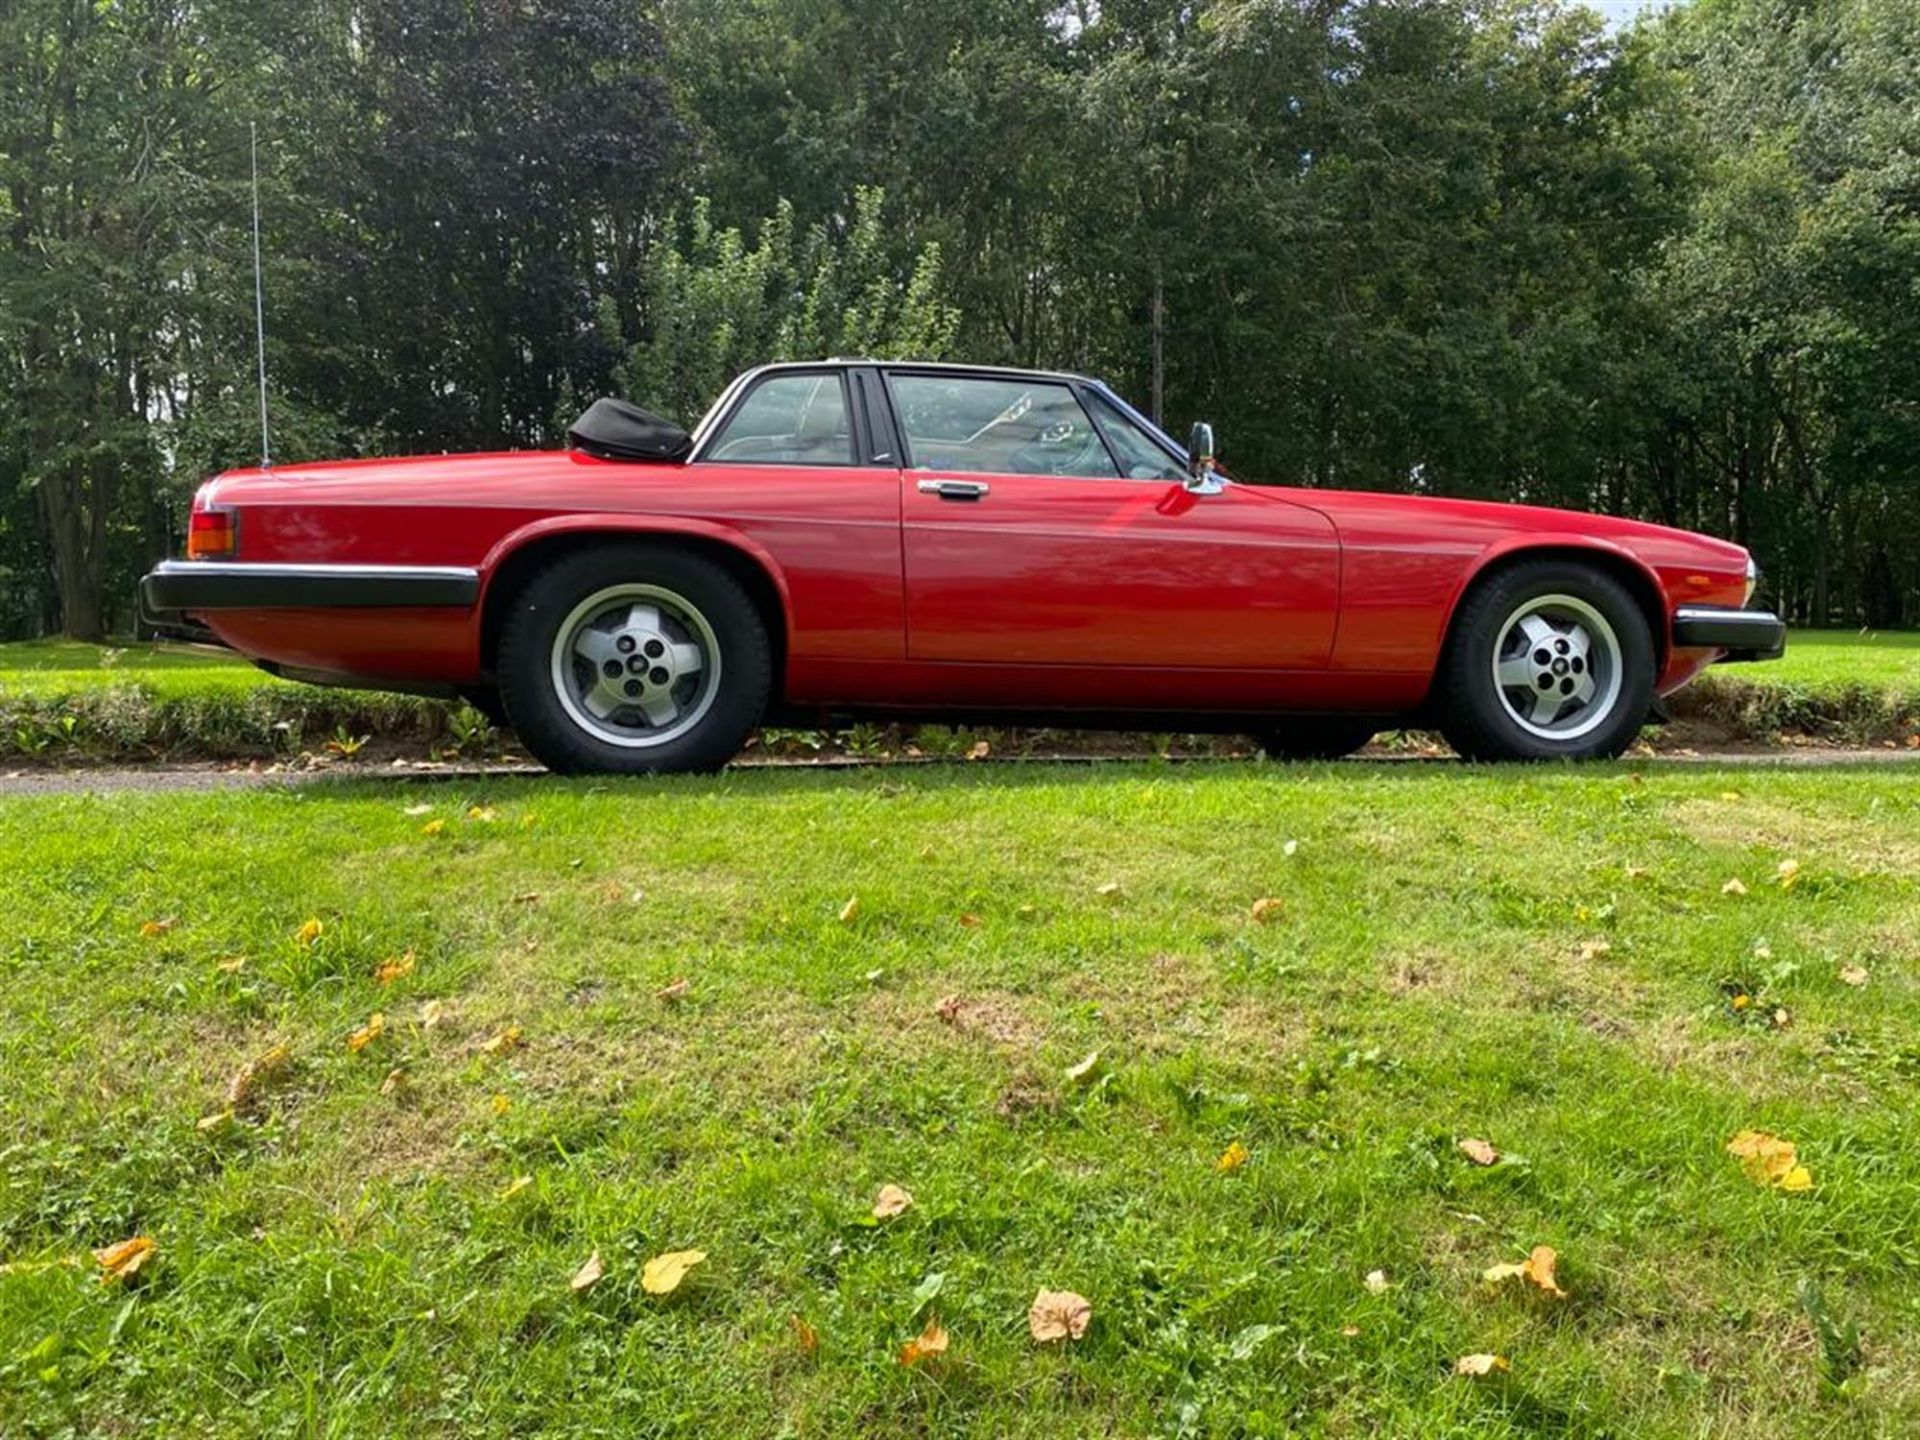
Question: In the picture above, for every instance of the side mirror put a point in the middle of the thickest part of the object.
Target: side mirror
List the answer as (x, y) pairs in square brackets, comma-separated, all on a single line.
[(1201, 479)]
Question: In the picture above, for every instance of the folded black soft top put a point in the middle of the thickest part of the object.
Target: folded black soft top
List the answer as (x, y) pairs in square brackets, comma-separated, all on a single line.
[(615, 430)]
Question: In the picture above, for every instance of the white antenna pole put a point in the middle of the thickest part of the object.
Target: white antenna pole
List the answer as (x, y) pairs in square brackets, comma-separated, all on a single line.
[(259, 303)]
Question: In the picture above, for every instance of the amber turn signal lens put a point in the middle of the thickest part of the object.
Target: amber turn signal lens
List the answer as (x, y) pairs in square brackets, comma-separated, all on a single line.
[(210, 534)]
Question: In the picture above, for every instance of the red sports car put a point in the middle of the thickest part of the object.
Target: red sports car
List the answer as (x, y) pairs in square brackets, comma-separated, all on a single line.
[(863, 538)]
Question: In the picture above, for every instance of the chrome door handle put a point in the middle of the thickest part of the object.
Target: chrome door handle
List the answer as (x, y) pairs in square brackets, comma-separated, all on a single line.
[(954, 489)]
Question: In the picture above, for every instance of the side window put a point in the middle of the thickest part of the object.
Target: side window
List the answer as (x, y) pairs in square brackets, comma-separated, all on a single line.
[(796, 418), (1141, 457), (959, 423)]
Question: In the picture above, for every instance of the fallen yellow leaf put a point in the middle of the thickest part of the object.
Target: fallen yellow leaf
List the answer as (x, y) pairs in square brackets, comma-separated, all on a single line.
[(1267, 908), (1377, 1282), (231, 964), (515, 1186), (588, 1275), (1735, 886), (1058, 1315), (151, 928), (804, 1335), (924, 1346), (376, 1026), (663, 1273), (485, 814), (1769, 1160), (395, 1082), (979, 750), (433, 827), (388, 971), (434, 1014), (123, 1261), (308, 933), (970, 921), (1085, 1069), (414, 811), (673, 991), (256, 1074), (505, 1041), (891, 1201), (1112, 887), (1480, 1152), (1788, 874), (1594, 949), (1537, 1269), (1232, 1158), (219, 1120), (1854, 975), (849, 910), (1482, 1365)]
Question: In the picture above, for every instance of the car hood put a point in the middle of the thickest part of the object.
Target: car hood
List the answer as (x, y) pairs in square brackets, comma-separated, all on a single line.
[(1488, 521)]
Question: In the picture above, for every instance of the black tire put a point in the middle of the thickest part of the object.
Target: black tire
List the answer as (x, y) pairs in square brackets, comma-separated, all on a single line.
[(487, 701), (1316, 737), (1474, 710), (719, 722)]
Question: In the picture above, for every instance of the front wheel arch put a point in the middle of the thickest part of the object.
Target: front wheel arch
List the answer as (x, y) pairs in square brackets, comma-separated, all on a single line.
[(1466, 702), (1634, 577)]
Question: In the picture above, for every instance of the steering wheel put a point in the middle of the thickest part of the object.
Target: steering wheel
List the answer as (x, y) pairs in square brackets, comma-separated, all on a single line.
[(1052, 454), (1021, 404)]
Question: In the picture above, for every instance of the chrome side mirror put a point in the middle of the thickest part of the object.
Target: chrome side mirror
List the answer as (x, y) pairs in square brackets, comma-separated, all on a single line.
[(1201, 478)]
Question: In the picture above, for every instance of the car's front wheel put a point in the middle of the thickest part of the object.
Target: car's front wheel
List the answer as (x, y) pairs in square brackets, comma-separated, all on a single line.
[(1547, 660), (633, 659)]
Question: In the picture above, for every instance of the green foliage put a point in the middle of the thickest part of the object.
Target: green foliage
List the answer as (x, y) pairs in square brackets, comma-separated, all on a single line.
[(716, 304)]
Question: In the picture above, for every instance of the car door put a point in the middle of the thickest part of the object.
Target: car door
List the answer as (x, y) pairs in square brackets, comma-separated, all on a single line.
[(793, 466), (1033, 535)]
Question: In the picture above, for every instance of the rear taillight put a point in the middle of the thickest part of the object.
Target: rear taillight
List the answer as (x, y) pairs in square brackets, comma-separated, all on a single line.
[(212, 535)]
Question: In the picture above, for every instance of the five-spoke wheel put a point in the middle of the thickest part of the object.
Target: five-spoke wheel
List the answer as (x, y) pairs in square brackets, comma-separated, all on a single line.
[(636, 665), (1547, 659), (634, 658), (1557, 667)]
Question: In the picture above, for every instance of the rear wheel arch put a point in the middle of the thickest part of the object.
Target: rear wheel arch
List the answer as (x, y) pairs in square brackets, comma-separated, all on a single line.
[(511, 572)]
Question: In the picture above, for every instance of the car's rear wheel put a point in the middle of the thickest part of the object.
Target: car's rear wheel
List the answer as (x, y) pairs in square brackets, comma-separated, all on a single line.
[(633, 659), (1547, 660), (1315, 737)]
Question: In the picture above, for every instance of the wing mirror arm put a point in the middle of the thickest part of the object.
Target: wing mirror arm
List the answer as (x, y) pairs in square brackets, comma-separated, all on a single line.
[(1202, 477)]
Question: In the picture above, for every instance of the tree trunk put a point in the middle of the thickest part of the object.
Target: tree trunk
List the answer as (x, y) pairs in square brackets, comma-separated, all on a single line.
[(75, 505), (1159, 323)]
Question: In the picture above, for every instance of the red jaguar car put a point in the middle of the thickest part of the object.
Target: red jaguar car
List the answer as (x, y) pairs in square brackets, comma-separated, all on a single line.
[(954, 543)]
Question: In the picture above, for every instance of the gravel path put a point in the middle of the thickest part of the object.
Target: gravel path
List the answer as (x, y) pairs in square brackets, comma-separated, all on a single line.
[(166, 778)]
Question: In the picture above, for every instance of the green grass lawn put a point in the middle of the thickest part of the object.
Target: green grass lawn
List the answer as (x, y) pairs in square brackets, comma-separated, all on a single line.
[(1889, 659), (64, 667), (1543, 959)]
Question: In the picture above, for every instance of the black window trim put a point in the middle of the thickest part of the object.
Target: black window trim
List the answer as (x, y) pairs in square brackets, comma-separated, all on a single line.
[(1126, 412), (885, 444), (860, 446), (1073, 385)]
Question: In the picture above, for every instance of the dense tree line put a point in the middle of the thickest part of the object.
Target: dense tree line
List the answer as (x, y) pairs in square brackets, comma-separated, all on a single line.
[(1466, 248)]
